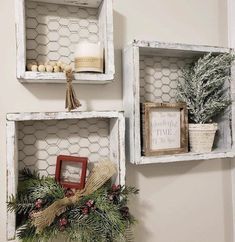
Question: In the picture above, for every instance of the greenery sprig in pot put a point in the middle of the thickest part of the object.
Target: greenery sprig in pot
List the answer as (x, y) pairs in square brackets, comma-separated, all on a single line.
[(203, 88)]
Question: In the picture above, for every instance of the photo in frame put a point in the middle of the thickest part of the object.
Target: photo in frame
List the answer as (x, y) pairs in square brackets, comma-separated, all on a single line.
[(165, 128), (71, 171)]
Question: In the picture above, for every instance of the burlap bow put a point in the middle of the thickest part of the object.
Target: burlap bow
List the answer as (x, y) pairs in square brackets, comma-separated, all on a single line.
[(100, 174)]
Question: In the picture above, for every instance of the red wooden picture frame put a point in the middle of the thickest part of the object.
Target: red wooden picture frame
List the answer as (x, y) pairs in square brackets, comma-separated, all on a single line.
[(66, 184)]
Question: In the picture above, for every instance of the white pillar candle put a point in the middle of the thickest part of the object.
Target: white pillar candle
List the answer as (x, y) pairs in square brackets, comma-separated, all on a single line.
[(89, 57)]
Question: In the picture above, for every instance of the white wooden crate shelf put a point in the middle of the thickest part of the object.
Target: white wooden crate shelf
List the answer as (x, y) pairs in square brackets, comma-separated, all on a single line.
[(48, 30), (151, 74), (34, 140)]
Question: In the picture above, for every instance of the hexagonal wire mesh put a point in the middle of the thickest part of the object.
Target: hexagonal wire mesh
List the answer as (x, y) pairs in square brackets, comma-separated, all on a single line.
[(159, 76), (53, 30), (40, 142)]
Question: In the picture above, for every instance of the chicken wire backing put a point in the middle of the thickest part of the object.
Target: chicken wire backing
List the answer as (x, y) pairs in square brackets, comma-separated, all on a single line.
[(159, 77), (53, 30), (40, 142)]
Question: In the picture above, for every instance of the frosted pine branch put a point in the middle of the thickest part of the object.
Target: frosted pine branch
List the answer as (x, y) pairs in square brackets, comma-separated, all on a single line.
[(203, 87)]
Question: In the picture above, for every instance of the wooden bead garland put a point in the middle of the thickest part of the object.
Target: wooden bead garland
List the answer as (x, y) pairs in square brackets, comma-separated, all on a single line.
[(50, 66)]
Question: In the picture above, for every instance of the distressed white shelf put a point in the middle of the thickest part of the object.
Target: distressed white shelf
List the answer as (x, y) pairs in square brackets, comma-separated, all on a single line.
[(48, 30), (151, 73), (34, 140), (185, 157)]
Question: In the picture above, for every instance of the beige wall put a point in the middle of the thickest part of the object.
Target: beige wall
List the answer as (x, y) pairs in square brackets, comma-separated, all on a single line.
[(184, 202)]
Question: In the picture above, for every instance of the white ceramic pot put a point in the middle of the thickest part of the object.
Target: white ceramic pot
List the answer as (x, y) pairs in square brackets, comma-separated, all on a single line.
[(201, 137)]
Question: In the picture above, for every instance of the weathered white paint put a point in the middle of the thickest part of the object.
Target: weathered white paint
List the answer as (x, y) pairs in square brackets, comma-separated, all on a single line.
[(114, 146), (117, 146), (132, 100), (128, 103), (231, 40), (62, 115), (129, 72), (176, 49), (20, 37), (86, 3), (106, 36), (233, 137), (117, 149), (12, 173), (82, 78), (121, 149), (231, 22), (185, 157)]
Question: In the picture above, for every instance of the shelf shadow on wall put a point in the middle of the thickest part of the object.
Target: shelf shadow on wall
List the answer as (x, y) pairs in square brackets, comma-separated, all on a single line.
[(172, 172), (179, 183)]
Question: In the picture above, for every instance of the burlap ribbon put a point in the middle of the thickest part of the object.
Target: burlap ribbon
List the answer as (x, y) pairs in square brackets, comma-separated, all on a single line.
[(71, 101), (99, 175)]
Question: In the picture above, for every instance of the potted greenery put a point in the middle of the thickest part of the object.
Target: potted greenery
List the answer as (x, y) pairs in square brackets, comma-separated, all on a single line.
[(203, 89)]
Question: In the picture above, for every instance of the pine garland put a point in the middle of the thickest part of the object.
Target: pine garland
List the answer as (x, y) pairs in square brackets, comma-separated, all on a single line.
[(203, 87), (102, 216)]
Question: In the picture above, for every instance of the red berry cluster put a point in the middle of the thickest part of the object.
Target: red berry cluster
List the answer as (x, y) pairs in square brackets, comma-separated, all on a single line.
[(69, 193), (114, 196), (116, 188), (62, 223), (38, 203), (89, 205), (114, 193), (125, 212)]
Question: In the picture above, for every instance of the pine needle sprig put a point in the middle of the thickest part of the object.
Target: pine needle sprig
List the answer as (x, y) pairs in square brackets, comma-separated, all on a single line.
[(40, 188), (27, 233), (47, 188), (26, 174), (20, 204)]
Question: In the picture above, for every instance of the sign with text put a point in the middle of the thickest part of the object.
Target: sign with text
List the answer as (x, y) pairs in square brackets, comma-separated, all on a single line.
[(165, 128)]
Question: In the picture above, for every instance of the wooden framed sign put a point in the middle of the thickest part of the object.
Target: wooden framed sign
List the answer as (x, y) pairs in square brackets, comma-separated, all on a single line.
[(71, 171), (165, 128)]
